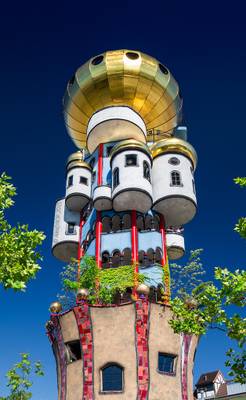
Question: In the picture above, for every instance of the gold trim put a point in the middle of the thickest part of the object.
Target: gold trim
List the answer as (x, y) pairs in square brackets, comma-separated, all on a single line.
[(76, 160), (130, 144), (122, 81), (174, 145)]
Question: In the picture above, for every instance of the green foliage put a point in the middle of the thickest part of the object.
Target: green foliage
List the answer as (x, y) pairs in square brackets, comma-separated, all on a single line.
[(18, 255), (237, 364), (19, 378), (186, 277), (240, 227), (109, 281)]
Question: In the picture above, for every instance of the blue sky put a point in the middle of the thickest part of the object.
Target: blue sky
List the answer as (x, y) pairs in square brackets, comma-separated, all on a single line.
[(42, 43)]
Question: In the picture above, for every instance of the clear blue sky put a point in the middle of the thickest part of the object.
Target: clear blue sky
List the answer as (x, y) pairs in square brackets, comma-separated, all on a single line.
[(42, 43)]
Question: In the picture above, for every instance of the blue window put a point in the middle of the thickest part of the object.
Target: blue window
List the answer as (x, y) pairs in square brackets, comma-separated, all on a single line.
[(112, 378), (166, 363)]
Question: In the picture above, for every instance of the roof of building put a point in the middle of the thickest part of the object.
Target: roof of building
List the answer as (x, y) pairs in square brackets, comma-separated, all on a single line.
[(208, 377), (222, 391)]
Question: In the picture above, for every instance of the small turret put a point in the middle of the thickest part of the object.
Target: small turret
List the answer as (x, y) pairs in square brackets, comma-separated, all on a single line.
[(78, 188)]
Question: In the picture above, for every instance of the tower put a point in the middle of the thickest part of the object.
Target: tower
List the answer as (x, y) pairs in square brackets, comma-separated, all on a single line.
[(129, 191)]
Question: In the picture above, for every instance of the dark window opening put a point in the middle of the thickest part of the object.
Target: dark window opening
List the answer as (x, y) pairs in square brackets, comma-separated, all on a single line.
[(73, 351), (112, 378), (70, 181), (83, 180), (194, 188), (174, 161), (146, 170), (97, 60), (93, 177), (166, 363), (71, 228), (109, 148), (175, 178), (132, 56), (163, 69), (131, 160), (116, 178)]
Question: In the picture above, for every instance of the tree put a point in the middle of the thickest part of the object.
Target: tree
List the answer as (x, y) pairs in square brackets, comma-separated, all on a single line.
[(18, 255), (19, 378), (216, 305)]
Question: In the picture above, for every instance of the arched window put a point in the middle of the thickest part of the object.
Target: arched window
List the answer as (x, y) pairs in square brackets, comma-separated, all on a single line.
[(156, 223), (127, 256), (148, 222), (126, 221), (141, 258), (116, 178), (158, 255), (146, 170), (112, 378), (116, 259), (106, 224), (175, 178), (116, 223), (105, 259), (140, 223), (150, 257)]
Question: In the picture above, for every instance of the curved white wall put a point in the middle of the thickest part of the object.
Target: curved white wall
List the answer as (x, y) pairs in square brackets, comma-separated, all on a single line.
[(114, 124), (78, 194), (64, 244), (102, 198), (134, 192), (176, 203), (175, 245)]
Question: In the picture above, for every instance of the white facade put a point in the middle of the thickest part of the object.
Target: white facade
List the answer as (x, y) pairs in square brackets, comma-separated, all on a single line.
[(134, 191), (65, 233), (102, 198), (113, 124), (176, 202), (78, 188), (175, 245)]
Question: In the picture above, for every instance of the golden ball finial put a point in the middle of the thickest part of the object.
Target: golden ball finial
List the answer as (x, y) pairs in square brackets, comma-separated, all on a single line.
[(122, 78), (143, 289), (82, 294), (55, 307)]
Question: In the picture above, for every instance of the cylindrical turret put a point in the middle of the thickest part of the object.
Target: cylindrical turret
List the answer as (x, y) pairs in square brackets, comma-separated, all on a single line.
[(175, 244), (131, 176), (78, 188), (174, 162), (65, 232)]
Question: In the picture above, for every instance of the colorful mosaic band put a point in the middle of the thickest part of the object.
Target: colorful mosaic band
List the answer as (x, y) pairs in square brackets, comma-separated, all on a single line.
[(186, 342), (82, 314), (142, 333)]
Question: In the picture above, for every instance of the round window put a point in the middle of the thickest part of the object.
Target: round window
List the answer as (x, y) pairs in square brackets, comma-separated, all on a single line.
[(174, 161), (132, 55), (163, 69), (97, 60)]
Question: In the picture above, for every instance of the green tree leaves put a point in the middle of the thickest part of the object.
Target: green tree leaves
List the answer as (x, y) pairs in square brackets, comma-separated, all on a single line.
[(19, 378), (18, 255)]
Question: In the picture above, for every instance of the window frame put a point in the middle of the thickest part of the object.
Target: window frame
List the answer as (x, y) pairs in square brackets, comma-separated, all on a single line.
[(131, 155), (174, 161), (83, 183), (74, 228), (111, 364), (145, 163), (180, 180), (115, 184), (70, 181), (69, 353), (174, 365)]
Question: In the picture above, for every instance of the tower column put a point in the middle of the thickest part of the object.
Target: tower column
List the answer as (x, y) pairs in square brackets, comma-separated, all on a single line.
[(134, 238), (99, 215), (80, 248), (164, 261)]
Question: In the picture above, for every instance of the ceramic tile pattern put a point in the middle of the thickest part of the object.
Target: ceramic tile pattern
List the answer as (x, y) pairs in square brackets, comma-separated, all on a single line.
[(186, 341)]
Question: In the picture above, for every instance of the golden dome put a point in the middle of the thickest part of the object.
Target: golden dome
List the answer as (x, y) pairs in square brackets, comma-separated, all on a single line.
[(76, 160), (143, 289), (122, 77), (174, 145), (55, 307), (130, 144)]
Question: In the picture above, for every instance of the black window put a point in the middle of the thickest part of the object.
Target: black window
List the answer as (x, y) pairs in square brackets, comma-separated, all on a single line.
[(73, 351), (70, 181), (83, 180), (146, 170), (194, 188), (112, 378), (174, 161), (166, 363), (131, 160), (70, 228), (116, 177), (175, 178), (109, 148)]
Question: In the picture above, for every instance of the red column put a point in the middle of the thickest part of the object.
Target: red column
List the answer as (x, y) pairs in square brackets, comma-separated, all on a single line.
[(134, 237), (99, 215), (80, 248), (165, 261)]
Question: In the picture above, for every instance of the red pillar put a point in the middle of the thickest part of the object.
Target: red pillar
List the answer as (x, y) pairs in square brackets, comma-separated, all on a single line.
[(134, 237), (165, 261), (99, 215)]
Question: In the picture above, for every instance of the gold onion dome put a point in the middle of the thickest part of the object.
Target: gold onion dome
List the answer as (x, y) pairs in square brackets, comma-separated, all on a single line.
[(55, 307), (129, 144), (174, 145), (122, 78), (76, 160)]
